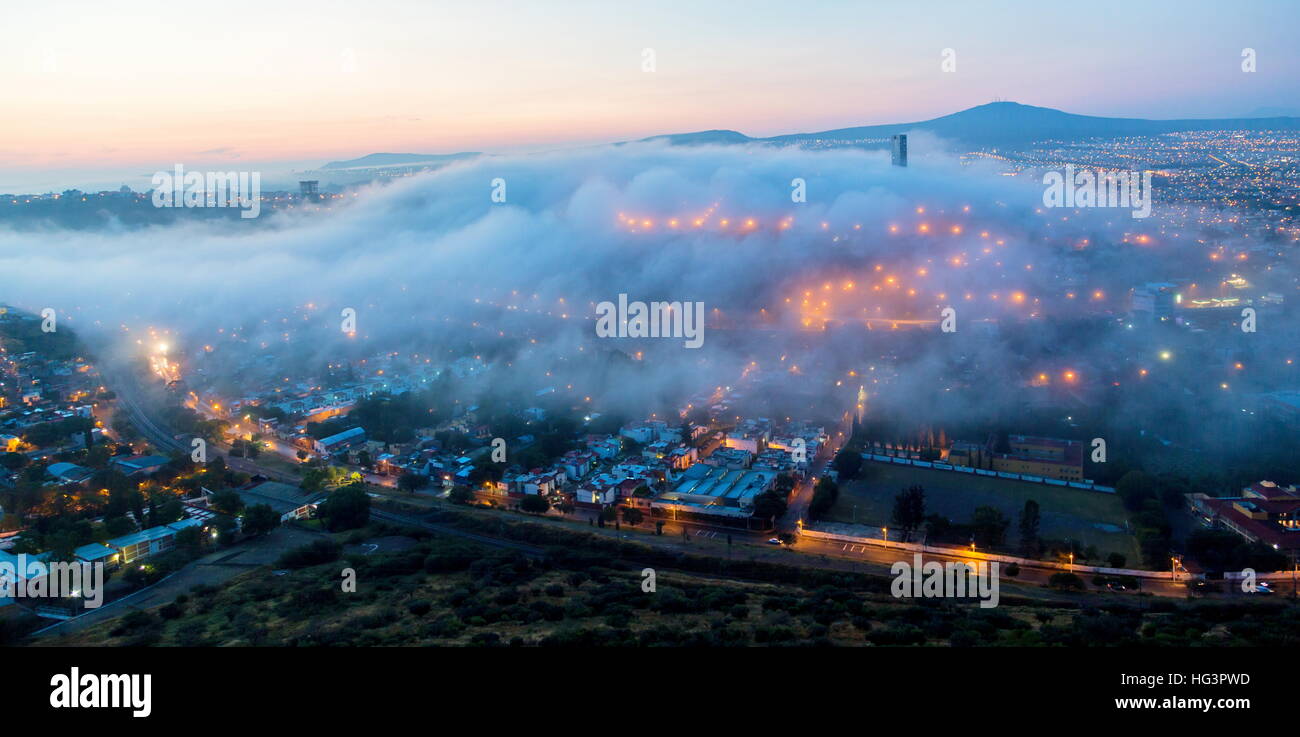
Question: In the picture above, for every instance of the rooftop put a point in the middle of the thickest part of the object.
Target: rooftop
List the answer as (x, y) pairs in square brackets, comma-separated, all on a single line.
[(718, 488), (281, 498)]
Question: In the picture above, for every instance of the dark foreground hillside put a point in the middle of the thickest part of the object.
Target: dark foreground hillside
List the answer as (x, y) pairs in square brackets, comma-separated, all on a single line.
[(437, 590)]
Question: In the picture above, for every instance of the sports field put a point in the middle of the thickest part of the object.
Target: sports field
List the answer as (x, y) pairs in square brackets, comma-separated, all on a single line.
[(1085, 517)]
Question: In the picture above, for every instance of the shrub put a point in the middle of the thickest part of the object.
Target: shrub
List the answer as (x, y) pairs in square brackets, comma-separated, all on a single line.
[(320, 551)]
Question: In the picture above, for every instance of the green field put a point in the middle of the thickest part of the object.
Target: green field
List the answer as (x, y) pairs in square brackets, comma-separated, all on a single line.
[(1085, 517)]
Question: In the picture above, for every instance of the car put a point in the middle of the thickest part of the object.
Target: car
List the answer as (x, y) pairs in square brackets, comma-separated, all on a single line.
[(1263, 587), (1116, 586), (774, 541)]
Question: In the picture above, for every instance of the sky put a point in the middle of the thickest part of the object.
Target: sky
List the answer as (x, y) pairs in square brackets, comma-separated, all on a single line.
[(98, 91)]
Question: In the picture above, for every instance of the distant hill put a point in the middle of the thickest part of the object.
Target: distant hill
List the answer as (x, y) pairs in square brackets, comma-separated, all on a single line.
[(376, 160), (701, 138), (1011, 124), (996, 124), (1273, 112)]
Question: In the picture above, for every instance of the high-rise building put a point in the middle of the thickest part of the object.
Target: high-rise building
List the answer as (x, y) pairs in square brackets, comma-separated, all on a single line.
[(1155, 300), (899, 149), (308, 188)]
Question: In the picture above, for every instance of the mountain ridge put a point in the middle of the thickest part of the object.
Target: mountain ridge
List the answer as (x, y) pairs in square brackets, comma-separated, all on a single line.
[(992, 124)]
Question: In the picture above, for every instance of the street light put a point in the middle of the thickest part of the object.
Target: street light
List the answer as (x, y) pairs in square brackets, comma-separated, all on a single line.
[(885, 530)]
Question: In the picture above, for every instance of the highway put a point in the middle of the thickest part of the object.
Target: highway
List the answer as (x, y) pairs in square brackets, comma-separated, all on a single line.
[(128, 392)]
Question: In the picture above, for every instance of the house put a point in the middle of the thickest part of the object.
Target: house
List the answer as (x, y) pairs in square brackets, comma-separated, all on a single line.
[(605, 446), (290, 502), (544, 483), (139, 465), (680, 459), (1047, 457), (339, 441), (731, 458), (145, 543), (1264, 513), (578, 463), (716, 495), (598, 491), (639, 432), (657, 449), (97, 553), (69, 473), (387, 465)]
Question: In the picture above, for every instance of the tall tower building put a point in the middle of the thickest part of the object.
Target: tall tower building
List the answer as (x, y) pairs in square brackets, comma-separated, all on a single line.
[(898, 151)]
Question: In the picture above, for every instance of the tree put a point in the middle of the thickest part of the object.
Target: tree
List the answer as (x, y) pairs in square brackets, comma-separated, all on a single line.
[(534, 504), (1064, 580), (1134, 488), (989, 527), (118, 526), (260, 519), (783, 485), (346, 508), (909, 508), (169, 511), (13, 461), (1003, 442), (847, 463), (227, 502), (633, 516), (1029, 520), (189, 539), (409, 482), (316, 479), (226, 528), (825, 494), (769, 505)]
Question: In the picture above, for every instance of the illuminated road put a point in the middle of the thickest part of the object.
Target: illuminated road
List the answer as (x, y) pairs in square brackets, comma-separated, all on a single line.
[(128, 399)]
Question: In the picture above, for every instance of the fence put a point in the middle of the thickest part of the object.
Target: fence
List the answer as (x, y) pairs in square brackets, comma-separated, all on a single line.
[(982, 472)]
